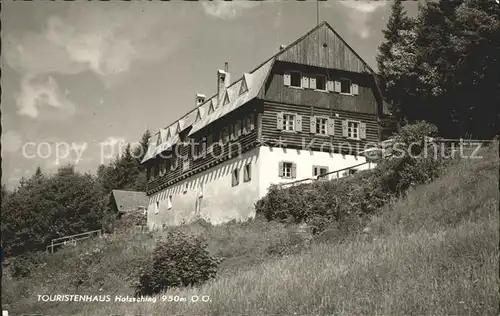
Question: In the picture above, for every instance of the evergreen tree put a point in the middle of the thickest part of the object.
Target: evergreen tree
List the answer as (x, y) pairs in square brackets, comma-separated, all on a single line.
[(38, 172), (390, 60)]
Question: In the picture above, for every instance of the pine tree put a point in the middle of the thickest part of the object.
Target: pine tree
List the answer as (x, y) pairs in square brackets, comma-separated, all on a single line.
[(38, 172), (398, 21), (141, 150)]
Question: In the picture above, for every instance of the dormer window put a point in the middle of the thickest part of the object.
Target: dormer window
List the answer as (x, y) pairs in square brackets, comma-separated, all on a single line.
[(244, 87), (226, 99), (211, 109)]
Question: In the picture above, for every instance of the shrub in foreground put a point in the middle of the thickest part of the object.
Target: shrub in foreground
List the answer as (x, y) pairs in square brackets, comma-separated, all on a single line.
[(180, 260)]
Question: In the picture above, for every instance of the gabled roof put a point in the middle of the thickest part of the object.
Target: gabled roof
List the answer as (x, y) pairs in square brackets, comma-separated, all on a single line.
[(254, 82), (129, 200)]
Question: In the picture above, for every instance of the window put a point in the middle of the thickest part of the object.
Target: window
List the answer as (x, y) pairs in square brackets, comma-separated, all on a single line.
[(169, 202), (236, 177), (249, 123), (209, 143), (321, 125), (287, 170), (157, 207), (224, 135), (247, 176), (345, 86), (185, 164), (157, 170), (321, 82), (237, 129), (320, 171), (353, 129), (288, 122), (295, 79), (352, 171)]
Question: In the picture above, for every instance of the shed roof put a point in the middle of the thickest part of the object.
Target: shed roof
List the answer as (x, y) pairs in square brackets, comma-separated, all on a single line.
[(129, 200)]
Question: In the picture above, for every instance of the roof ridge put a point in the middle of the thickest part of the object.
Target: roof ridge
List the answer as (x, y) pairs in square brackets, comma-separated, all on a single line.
[(263, 63)]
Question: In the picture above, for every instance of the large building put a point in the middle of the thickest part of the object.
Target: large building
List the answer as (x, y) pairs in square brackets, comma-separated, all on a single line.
[(289, 118)]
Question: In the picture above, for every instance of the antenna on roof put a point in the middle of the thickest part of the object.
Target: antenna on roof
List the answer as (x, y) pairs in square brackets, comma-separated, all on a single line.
[(317, 12)]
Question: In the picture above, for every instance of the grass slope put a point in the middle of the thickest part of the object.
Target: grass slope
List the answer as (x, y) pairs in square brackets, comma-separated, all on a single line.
[(433, 252)]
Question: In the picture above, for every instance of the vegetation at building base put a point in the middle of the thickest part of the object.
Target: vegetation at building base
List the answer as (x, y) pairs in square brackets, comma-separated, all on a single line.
[(431, 251), (325, 203)]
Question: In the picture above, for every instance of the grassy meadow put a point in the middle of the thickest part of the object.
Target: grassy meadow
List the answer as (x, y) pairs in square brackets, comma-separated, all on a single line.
[(434, 251)]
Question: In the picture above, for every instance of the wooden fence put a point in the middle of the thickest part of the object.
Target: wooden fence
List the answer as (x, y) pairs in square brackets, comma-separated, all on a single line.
[(72, 239)]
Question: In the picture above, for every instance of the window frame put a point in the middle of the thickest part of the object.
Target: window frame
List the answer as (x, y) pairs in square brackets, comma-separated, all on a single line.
[(235, 177), (357, 132), (325, 82), (350, 86), (284, 176), (326, 126), (294, 118), (300, 79), (247, 172), (319, 168)]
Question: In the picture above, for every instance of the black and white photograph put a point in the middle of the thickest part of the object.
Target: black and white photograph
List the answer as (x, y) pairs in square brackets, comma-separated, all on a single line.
[(322, 157)]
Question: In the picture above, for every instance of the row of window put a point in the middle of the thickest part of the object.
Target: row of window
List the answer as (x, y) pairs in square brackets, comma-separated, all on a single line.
[(288, 170), (226, 134), (229, 133), (247, 175), (320, 125), (296, 79)]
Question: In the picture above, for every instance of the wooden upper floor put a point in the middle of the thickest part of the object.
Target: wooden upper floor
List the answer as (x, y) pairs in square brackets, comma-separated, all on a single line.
[(315, 88)]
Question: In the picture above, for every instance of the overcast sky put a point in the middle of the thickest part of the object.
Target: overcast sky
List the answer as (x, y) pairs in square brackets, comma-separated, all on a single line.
[(96, 72)]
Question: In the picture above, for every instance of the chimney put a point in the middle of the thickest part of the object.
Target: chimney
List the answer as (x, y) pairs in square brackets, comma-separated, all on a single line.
[(282, 47), (223, 79), (200, 99)]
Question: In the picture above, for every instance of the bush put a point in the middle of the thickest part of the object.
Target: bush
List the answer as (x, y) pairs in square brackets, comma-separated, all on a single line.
[(23, 265), (45, 207), (415, 161), (180, 260)]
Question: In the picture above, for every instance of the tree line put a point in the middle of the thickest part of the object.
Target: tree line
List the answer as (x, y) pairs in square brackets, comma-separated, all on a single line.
[(443, 66), (47, 206)]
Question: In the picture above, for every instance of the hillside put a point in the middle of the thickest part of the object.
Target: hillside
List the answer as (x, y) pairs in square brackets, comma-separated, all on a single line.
[(433, 252)]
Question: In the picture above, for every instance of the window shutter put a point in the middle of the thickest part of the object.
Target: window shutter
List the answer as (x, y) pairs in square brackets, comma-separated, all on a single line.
[(313, 125), (313, 169), (252, 121), (294, 171), (331, 126), (231, 133), (337, 86), (344, 128), (279, 121), (287, 79), (362, 130), (330, 86), (298, 123), (312, 83), (280, 169), (354, 89), (305, 82)]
